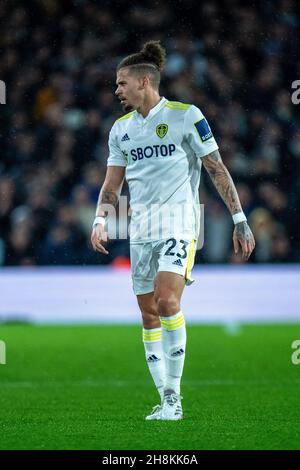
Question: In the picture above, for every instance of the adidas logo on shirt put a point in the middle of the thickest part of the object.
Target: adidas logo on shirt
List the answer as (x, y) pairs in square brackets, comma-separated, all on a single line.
[(125, 137), (177, 262)]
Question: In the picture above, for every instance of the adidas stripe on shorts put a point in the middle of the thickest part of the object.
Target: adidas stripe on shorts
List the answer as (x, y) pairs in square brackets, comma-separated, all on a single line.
[(172, 255)]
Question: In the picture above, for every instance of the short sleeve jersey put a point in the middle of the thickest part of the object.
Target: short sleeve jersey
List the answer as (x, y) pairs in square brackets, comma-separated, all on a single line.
[(162, 155)]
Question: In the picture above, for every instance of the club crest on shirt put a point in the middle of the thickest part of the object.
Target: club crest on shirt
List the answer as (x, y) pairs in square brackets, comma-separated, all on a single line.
[(161, 130)]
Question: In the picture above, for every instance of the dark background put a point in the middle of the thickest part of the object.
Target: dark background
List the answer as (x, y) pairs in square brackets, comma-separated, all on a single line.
[(235, 60)]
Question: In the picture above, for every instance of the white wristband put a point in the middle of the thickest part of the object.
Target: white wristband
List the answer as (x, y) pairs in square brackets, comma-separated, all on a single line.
[(239, 217), (99, 220)]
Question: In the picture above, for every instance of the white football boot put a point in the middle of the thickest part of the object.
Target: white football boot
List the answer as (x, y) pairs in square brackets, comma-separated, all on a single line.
[(155, 413), (171, 407)]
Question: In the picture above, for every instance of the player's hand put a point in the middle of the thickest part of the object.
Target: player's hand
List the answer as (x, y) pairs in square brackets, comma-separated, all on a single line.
[(243, 236), (98, 237)]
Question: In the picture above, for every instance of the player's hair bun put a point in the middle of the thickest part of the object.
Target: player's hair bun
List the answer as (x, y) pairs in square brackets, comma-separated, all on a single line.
[(154, 53)]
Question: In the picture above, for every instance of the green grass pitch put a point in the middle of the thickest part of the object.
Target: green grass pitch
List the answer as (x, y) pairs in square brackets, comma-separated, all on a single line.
[(88, 387)]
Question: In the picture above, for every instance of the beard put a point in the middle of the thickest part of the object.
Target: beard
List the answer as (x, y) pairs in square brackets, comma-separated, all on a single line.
[(127, 107)]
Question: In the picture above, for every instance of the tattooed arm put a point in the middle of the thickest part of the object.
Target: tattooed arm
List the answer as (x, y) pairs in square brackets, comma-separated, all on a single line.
[(111, 189), (223, 182), (109, 196)]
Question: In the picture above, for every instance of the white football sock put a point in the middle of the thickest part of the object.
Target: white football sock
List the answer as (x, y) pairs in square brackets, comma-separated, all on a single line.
[(174, 343), (155, 357)]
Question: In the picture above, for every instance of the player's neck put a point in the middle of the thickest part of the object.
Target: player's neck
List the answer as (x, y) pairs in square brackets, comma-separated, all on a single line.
[(148, 103)]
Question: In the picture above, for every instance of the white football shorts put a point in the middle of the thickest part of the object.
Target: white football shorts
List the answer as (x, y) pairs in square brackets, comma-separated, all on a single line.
[(172, 255)]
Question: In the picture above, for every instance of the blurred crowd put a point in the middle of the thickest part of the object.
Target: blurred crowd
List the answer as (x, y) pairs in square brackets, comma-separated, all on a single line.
[(234, 61)]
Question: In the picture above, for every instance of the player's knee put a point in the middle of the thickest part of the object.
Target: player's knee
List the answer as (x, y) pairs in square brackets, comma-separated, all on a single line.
[(167, 304), (150, 319)]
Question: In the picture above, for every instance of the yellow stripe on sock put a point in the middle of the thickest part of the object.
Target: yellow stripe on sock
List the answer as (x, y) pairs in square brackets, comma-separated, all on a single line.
[(174, 321), (152, 338), (151, 335), (173, 324), (173, 327)]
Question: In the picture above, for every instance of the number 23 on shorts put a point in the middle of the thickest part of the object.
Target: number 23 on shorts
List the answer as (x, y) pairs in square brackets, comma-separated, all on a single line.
[(176, 248)]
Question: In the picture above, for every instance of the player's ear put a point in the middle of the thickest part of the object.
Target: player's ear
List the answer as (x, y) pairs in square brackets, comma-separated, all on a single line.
[(144, 82)]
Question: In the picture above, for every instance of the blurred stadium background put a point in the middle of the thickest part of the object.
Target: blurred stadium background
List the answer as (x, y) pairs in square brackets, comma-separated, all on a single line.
[(236, 60), (58, 61)]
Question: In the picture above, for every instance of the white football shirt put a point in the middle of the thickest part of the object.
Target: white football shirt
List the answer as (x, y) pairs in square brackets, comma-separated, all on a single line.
[(162, 155)]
